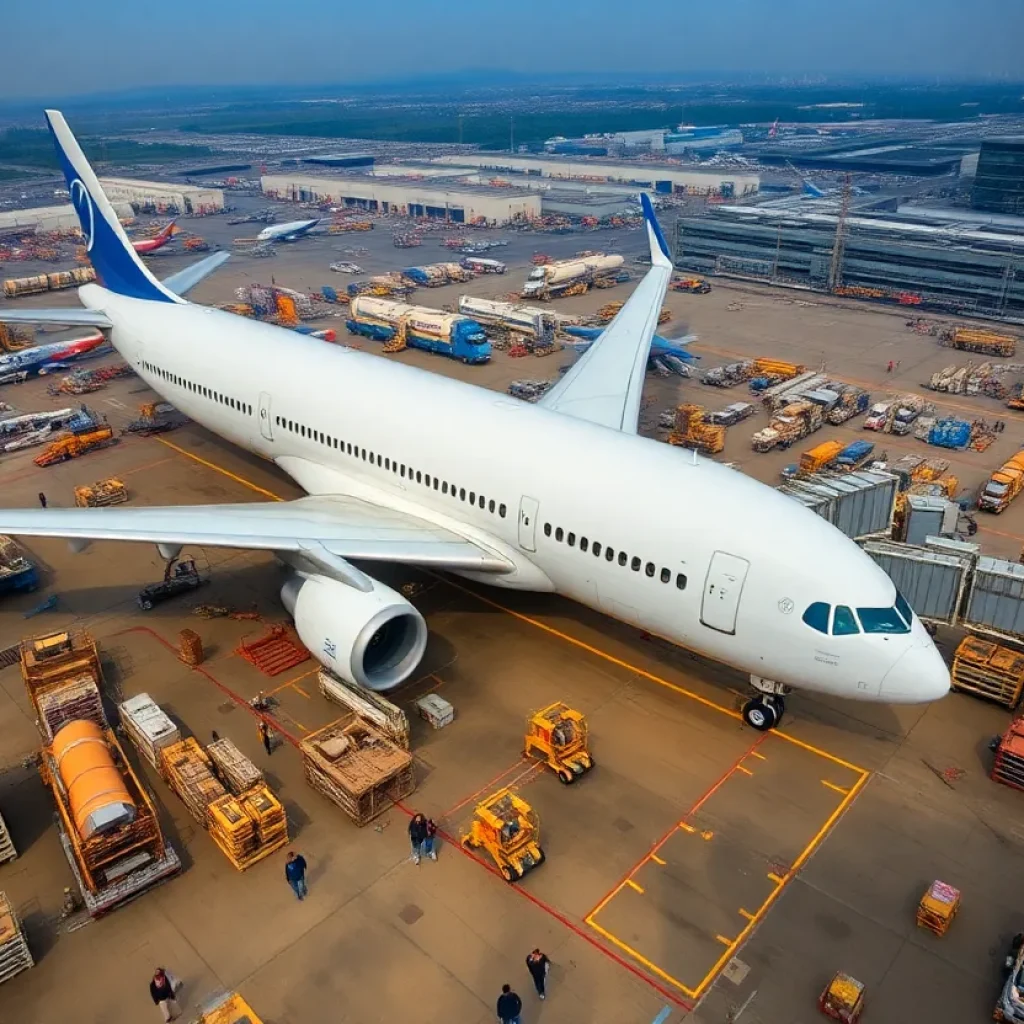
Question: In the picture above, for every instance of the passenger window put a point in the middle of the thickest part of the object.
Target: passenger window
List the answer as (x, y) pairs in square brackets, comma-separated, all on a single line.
[(571, 540), (444, 487), (666, 575), (584, 543), (490, 506), (547, 529), (816, 616), (609, 554), (649, 569), (472, 497), (558, 534), (419, 477), (436, 483), (681, 581), (635, 564), (843, 621), (462, 494), (596, 549), (482, 501), (501, 511), (622, 557), (401, 470)]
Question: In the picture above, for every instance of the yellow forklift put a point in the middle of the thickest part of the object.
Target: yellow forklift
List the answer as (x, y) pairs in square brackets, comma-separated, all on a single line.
[(507, 827), (558, 736)]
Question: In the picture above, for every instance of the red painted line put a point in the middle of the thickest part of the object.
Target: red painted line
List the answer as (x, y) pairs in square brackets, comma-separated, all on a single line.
[(237, 698), (485, 786), (701, 800), (560, 917)]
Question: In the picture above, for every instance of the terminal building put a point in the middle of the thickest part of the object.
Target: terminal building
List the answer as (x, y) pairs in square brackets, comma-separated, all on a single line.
[(164, 197), (999, 178), (456, 201), (658, 177)]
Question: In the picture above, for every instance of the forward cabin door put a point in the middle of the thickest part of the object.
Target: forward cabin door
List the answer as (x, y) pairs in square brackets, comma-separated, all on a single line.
[(722, 590), (528, 508), (266, 425)]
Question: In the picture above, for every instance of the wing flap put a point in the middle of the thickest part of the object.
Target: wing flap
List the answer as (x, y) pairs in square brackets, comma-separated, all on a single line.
[(346, 527)]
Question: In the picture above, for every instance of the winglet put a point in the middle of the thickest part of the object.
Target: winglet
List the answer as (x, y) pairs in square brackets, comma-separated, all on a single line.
[(118, 266), (660, 256)]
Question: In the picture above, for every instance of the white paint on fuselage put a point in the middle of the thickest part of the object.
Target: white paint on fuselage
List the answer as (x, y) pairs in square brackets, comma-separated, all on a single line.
[(652, 501)]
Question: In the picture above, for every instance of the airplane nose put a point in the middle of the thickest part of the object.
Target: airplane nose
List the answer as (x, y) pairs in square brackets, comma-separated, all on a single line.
[(918, 676)]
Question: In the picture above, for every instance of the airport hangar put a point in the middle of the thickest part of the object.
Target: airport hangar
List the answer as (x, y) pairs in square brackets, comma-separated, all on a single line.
[(164, 196), (40, 219), (456, 202)]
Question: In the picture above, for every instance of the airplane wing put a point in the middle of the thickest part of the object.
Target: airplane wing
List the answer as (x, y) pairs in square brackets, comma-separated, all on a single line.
[(605, 386), (323, 529), (185, 280), (69, 317)]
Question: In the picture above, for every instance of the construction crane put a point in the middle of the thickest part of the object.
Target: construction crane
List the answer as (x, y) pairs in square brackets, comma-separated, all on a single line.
[(835, 270)]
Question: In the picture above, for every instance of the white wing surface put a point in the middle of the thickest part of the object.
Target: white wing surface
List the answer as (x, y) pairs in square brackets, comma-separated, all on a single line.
[(606, 385)]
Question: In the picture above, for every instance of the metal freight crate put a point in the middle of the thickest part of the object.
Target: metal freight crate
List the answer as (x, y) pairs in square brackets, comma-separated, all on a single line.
[(933, 582), (996, 604)]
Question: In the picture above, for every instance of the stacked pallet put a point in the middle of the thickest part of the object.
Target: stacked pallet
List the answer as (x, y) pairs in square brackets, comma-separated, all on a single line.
[(72, 700), (233, 767), (188, 772), (353, 764), (248, 828), (14, 953), (148, 727), (989, 670), (368, 704), (267, 813), (1008, 766), (7, 850), (938, 907), (190, 648)]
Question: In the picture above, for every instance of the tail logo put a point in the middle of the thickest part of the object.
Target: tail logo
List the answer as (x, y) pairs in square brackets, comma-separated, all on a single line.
[(82, 202)]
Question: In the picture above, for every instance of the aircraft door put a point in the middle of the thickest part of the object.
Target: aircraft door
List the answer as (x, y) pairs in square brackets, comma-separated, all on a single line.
[(528, 508), (722, 590), (266, 424)]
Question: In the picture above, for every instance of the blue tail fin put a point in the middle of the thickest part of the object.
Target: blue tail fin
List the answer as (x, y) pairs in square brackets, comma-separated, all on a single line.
[(117, 265), (660, 256)]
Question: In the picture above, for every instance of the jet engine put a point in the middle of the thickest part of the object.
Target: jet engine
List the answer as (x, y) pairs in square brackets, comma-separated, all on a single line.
[(374, 639)]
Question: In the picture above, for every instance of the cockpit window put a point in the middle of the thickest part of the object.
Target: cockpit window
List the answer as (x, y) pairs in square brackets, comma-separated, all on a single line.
[(843, 622), (816, 616), (881, 620), (904, 609)]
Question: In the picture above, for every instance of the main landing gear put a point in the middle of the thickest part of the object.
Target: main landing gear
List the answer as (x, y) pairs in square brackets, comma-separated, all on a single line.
[(765, 711)]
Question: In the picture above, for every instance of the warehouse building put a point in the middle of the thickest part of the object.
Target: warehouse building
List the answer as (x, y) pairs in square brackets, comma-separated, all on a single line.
[(461, 203), (999, 178), (577, 204), (341, 160), (41, 219), (665, 178), (956, 267), (164, 197)]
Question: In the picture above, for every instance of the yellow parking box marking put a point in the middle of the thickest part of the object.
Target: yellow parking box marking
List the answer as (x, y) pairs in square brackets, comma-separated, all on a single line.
[(657, 859), (686, 828), (724, 941), (639, 958), (832, 785), (746, 771), (747, 914), (633, 885), (758, 755), (299, 689), (774, 878)]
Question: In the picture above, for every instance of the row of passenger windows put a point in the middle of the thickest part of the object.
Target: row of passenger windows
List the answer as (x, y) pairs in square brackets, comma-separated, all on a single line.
[(595, 548), (841, 620), (398, 468), (199, 389)]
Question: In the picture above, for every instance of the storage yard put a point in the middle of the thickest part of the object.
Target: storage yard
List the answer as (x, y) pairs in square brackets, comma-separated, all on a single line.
[(699, 868)]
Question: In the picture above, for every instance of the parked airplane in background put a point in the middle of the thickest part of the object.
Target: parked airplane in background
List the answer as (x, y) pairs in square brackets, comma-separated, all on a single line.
[(288, 232), (659, 346), (147, 245), (669, 542), (43, 359)]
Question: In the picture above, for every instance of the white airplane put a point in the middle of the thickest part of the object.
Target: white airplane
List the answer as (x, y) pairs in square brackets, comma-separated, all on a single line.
[(288, 232), (673, 544)]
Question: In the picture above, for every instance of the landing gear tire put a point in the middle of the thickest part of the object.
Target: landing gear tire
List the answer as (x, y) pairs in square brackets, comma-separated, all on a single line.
[(761, 714)]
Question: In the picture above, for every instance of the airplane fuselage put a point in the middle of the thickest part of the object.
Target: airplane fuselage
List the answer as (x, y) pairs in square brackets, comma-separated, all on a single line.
[(659, 538)]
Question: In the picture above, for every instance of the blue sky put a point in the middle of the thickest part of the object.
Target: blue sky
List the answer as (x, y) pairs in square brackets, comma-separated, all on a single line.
[(62, 48)]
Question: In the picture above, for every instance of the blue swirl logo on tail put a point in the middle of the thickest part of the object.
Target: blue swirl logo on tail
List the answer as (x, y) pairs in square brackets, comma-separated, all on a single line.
[(82, 203)]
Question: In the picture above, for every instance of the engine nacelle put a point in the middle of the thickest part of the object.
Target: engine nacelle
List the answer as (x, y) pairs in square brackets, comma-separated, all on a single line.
[(374, 639)]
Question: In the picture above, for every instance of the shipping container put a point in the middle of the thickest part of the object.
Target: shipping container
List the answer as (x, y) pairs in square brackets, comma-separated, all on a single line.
[(858, 504), (996, 603)]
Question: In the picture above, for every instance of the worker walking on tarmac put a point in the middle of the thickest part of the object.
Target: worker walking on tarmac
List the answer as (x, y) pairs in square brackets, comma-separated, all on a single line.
[(538, 965), (42, 500), (510, 1006), (295, 873), (421, 837), (266, 737), (163, 989)]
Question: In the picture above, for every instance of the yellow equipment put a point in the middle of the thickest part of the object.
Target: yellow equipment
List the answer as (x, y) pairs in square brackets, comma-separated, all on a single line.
[(843, 999), (558, 735), (228, 1009), (692, 431), (508, 829)]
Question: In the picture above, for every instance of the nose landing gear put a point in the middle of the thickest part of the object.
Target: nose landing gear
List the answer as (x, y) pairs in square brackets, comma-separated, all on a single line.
[(765, 711)]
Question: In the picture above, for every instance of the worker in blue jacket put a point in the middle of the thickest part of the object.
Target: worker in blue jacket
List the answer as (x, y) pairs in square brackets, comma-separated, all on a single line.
[(295, 872)]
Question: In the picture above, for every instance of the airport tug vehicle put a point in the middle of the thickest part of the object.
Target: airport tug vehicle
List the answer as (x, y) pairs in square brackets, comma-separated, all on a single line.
[(558, 736), (507, 827)]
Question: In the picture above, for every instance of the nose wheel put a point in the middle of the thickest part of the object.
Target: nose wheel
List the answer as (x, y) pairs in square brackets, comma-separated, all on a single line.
[(764, 712)]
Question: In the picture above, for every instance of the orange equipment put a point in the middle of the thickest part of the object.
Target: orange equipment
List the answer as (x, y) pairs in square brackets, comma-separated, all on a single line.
[(71, 446), (96, 790), (558, 735), (938, 907), (507, 828), (843, 999)]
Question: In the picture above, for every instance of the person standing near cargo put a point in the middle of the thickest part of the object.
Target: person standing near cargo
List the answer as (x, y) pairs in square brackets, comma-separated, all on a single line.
[(510, 1006), (421, 837), (295, 872), (538, 964), (265, 736), (162, 990)]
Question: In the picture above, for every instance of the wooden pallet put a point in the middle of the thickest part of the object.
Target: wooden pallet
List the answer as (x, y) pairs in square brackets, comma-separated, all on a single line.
[(989, 670), (7, 850), (237, 771), (274, 652), (14, 952)]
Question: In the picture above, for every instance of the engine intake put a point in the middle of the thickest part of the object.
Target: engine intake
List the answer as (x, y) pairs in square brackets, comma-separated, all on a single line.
[(373, 639)]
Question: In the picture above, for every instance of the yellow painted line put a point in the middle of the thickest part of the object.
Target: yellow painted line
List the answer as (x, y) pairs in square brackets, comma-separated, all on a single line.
[(774, 878), (746, 771), (724, 941), (766, 906), (657, 859), (633, 885), (747, 914), (292, 682), (299, 689), (758, 755), (832, 785), (604, 903), (642, 960), (220, 469), (686, 828)]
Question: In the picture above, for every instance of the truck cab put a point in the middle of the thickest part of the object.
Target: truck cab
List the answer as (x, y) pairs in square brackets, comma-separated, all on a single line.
[(877, 417)]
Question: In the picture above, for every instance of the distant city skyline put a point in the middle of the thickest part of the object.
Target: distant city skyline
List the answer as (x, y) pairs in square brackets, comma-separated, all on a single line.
[(66, 50)]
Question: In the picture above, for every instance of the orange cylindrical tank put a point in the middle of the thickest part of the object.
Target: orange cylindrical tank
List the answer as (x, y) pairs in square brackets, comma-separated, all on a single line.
[(96, 789)]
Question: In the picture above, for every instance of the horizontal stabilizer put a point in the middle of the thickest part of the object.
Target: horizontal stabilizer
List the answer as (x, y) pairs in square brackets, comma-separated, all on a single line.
[(66, 317), (185, 280)]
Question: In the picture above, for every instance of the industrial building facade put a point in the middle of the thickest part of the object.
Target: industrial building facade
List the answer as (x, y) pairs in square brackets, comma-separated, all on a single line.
[(999, 178), (164, 197), (469, 204), (665, 178), (917, 264), (41, 219)]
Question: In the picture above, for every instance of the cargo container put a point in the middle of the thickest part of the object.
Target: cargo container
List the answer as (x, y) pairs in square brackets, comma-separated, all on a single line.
[(420, 327), (950, 433), (577, 275), (852, 402), (1003, 485), (819, 457), (855, 455), (858, 504), (932, 581), (996, 603), (434, 275)]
